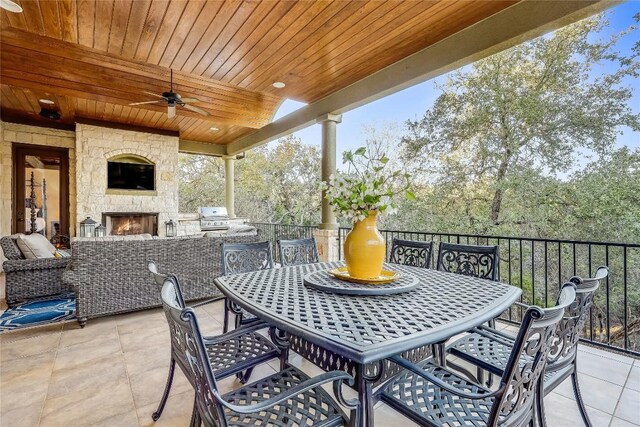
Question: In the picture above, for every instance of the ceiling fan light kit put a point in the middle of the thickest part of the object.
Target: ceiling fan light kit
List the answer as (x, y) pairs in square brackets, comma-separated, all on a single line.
[(173, 100)]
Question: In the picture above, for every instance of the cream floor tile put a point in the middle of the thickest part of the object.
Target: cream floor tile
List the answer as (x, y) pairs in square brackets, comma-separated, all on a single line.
[(617, 422), (127, 419), (102, 373), (73, 334), (629, 406), (86, 407), (386, 416), (26, 333), (24, 381), (562, 411), (78, 354), (633, 382), (597, 366), (138, 339), (22, 416), (177, 413), (606, 354), (141, 318), (141, 361), (597, 393), (29, 347), (147, 387)]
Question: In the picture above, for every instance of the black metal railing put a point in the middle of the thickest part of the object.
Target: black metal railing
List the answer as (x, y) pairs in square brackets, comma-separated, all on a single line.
[(539, 267), (274, 232)]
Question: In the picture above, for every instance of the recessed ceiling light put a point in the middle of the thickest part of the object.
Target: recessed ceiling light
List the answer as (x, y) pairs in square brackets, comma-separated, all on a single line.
[(47, 101), (278, 85), (214, 129)]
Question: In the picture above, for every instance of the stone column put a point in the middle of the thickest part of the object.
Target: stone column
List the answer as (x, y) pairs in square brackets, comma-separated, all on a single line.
[(327, 233), (229, 185), (328, 122)]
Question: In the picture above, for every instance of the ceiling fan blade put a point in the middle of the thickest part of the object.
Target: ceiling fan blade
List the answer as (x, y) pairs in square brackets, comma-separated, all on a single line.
[(153, 94), (196, 109), (189, 100), (144, 102)]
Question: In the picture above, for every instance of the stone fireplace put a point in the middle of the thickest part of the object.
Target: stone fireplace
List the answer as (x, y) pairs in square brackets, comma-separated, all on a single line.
[(126, 209), (127, 223)]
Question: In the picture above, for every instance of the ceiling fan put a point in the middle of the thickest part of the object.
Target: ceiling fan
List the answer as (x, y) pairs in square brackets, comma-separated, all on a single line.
[(173, 99), (10, 6)]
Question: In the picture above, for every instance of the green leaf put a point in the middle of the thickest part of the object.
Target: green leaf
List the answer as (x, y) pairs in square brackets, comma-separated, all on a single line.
[(360, 151), (410, 195)]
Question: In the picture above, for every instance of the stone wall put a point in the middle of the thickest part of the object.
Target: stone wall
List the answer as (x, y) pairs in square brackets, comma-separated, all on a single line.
[(95, 145)]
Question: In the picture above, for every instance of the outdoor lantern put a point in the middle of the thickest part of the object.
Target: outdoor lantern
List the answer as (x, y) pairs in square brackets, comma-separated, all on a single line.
[(171, 228), (87, 227), (100, 231)]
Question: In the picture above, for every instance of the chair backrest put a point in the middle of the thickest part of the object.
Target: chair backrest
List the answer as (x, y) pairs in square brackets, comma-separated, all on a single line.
[(190, 353), (410, 252), (297, 252), (157, 277), (470, 260), (534, 341), (565, 347), (246, 257)]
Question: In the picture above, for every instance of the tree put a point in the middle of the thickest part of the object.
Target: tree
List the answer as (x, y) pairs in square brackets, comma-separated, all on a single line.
[(524, 111), (276, 183)]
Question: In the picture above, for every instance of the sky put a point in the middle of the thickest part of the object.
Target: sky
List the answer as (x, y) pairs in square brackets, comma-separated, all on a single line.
[(411, 103)]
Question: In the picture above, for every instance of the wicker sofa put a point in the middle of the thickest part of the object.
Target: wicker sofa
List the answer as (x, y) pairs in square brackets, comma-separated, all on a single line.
[(30, 278), (111, 277)]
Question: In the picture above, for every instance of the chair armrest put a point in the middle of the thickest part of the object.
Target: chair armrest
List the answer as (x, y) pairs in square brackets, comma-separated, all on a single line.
[(234, 334), (334, 376), (440, 383), (523, 305), (34, 264)]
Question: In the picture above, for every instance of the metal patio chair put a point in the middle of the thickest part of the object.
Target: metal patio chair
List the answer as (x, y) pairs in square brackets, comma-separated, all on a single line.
[(243, 258), (297, 252), (432, 395), (489, 349), (470, 260), (287, 398), (410, 252), (233, 353)]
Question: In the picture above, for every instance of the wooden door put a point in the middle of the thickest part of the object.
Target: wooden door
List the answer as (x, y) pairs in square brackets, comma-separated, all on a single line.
[(41, 191)]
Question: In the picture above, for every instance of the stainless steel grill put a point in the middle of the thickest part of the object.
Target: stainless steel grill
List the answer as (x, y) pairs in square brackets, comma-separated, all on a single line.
[(214, 219)]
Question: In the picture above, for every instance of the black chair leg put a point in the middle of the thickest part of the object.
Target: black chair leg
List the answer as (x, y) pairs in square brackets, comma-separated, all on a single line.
[(196, 421), (225, 327), (576, 390), (539, 405), (243, 377), (167, 388)]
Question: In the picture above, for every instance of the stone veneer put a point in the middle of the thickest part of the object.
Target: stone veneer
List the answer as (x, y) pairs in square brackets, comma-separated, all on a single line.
[(95, 145), (17, 133)]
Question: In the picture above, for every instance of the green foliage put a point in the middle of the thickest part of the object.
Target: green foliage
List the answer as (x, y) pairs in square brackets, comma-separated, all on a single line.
[(273, 184)]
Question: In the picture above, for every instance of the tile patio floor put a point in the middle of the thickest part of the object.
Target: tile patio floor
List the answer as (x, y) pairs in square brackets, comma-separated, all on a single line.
[(112, 373)]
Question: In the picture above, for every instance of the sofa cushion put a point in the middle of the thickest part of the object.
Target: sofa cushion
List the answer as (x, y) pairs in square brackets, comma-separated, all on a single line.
[(35, 246)]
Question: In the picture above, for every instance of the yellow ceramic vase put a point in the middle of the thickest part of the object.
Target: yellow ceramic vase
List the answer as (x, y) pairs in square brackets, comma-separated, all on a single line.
[(365, 248)]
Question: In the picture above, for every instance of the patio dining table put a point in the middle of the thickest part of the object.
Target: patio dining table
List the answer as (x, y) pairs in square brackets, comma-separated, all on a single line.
[(357, 333)]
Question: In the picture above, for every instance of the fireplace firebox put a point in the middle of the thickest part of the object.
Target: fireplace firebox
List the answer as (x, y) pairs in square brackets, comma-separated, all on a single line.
[(127, 223)]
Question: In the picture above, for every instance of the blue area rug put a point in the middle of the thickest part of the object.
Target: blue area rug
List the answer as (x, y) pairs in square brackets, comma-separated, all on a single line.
[(57, 308)]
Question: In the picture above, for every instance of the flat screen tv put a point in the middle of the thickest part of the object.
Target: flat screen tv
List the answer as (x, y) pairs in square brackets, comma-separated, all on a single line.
[(131, 176)]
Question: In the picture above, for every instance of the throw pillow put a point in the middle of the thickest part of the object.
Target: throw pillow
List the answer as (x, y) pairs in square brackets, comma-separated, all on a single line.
[(34, 246)]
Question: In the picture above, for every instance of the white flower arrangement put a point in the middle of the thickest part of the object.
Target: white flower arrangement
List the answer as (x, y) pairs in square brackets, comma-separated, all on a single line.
[(366, 186)]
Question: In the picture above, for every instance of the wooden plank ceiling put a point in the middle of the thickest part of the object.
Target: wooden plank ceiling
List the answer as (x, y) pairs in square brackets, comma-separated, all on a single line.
[(93, 58)]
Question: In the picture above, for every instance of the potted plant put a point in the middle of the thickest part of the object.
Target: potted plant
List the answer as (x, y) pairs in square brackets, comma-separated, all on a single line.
[(364, 192)]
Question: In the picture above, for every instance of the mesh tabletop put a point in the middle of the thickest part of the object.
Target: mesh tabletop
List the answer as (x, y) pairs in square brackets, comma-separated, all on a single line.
[(369, 328)]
